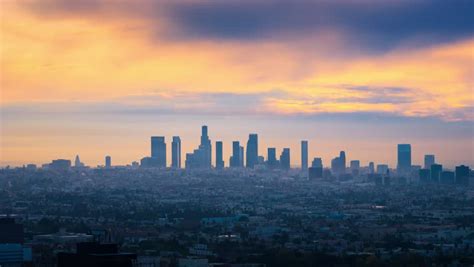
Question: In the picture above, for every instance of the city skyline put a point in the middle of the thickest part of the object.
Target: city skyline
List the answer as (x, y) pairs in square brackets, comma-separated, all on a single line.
[(249, 156), (227, 133)]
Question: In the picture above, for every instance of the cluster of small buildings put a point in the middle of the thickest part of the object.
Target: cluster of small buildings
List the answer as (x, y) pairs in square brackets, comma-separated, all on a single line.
[(176, 217)]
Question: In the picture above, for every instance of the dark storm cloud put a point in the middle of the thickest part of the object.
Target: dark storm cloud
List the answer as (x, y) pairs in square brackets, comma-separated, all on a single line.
[(377, 23)]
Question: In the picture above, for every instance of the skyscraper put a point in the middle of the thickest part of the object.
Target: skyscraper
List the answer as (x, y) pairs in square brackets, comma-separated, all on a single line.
[(285, 159), (342, 158), (252, 151), (78, 163), (338, 164), (206, 146), (317, 163), (235, 158), (355, 166), (429, 160), (316, 169), (382, 169), (272, 161), (219, 155), (404, 159), (304, 155), (462, 175), (108, 162), (436, 170), (202, 156), (158, 151), (176, 152), (371, 167)]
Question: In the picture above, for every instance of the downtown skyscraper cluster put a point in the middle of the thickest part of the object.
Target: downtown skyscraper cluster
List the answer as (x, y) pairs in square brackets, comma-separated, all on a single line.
[(248, 157), (201, 157)]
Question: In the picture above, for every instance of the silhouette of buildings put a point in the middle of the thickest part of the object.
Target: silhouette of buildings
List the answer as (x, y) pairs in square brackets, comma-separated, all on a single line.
[(462, 175), (304, 155), (219, 155), (236, 160), (202, 156), (285, 159), (338, 164), (158, 151), (436, 170), (176, 152), (316, 169), (429, 160), (447, 177), (78, 163), (355, 167), (252, 151), (60, 164), (382, 169), (403, 159), (371, 167), (108, 162), (272, 161)]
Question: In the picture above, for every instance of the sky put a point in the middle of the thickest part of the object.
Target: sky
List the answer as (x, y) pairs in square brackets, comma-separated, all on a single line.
[(99, 77)]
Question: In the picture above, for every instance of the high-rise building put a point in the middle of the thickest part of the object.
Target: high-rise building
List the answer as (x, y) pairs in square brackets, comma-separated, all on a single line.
[(236, 157), (436, 170), (78, 163), (355, 166), (158, 151), (108, 162), (219, 155), (176, 152), (317, 163), (206, 146), (316, 169), (202, 156), (429, 160), (371, 167), (338, 164), (252, 151), (462, 175), (304, 155), (241, 159), (285, 159), (149, 162), (382, 169), (60, 164), (272, 161), (342, 158), (404, 159)]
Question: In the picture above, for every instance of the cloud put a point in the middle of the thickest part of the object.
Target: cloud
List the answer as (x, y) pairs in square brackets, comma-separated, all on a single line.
[(376, 24), (98, 53), (369, 25)]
